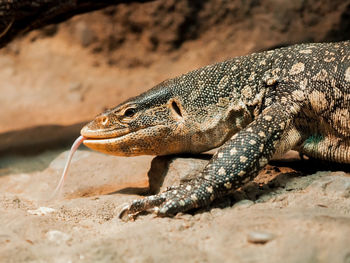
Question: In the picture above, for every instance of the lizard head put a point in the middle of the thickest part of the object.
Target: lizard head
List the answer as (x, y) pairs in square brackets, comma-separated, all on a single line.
[(149, 124)]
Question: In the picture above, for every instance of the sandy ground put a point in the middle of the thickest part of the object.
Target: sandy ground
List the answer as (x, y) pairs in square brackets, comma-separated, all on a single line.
[(281, 217)]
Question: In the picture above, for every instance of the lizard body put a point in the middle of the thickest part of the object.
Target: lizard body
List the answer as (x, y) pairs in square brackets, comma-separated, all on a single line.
[(253, 107)]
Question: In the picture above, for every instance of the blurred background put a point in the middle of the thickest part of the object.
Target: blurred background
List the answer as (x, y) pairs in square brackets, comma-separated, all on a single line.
[(55, 79)]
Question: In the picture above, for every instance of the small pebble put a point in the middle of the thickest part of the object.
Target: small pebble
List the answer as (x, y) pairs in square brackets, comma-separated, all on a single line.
[(259, 237), (41, 211)]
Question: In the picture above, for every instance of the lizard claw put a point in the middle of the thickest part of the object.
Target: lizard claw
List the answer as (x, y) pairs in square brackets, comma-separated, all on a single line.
[(125, 215), (175, 200), (148, 204)]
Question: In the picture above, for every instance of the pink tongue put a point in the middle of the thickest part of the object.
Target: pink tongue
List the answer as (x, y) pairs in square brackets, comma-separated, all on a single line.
[(75, 146)]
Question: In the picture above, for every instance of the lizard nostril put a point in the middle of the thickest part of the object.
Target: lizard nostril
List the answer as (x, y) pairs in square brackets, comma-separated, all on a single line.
[(103, 120)]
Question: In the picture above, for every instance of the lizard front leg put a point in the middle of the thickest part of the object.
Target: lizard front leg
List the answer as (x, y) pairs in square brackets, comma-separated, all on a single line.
[(236, 162)]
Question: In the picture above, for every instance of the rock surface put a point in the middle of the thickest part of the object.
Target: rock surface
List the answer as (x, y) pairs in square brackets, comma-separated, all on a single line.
[(56, 79), (280, 217)]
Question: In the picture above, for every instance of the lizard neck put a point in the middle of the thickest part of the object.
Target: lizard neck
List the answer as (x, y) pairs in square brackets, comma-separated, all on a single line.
[(221, 99)]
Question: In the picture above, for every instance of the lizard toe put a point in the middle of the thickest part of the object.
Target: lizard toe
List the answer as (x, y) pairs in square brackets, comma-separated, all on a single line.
[(148, 204), (173, 207)]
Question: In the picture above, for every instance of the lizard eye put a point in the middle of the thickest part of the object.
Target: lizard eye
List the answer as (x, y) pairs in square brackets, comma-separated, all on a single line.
[(130, 112)]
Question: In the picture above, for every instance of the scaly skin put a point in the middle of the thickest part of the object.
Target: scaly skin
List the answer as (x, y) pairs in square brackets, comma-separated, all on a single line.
[(253, 107)]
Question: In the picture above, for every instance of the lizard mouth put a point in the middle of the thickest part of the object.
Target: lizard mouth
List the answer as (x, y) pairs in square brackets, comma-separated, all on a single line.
[(101, 142), (102, 134), (121, 142)]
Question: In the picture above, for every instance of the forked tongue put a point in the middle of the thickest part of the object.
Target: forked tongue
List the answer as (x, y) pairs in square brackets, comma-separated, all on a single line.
[(73, 149)]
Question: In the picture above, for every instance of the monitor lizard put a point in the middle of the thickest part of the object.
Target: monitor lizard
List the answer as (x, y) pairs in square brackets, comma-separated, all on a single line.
[(252, 107)]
